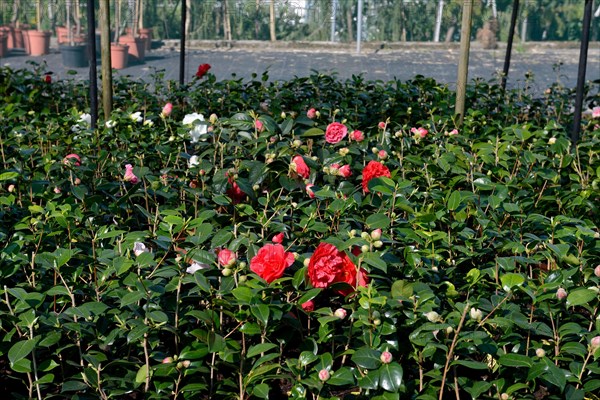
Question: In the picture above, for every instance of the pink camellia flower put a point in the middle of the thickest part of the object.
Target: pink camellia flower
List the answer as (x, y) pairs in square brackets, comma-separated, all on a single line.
[(299, 166), (278, 238), (167, 109), (357, 136), (311, 113), (309, 306), (309, 191), (335, 132), (129, 175), (345, 171), (57, 190), (382, 154), (259, 125), (381, 125), (421, 132), (139, 248), (226, 257), (386, 357), (596, 112), (561, 294), (72, 159), (324, 375), (453, 132)]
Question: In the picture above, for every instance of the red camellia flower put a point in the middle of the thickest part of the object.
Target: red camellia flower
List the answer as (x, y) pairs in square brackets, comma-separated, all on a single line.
[(202, 70), (48, 78), (270, 262), (328, 265), (335, 132), (309, 306), (235, 193), (374, 169), (300, 167)]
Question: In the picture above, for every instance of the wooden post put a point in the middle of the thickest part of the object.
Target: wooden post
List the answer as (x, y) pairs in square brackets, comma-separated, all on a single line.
[(585, 41), (107, 87), (509, 42), (359, 26), (463, 63), (91, 17)]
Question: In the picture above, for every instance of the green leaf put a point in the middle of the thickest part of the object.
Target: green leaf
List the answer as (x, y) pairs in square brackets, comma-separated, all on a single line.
[(309, 295), (306, 358), (260, 348), (142, 374), (261, 391), (366, 357), (390, 376), (313, 132), (342, 377), (515, 360), (471, 364), (374, 260), (20, 350), (378, 221), (401, 288), (454, 200), (243, 294), (261, 312), (73, 386), (511, 280), (370, 380), (580, 296), (5, 176)]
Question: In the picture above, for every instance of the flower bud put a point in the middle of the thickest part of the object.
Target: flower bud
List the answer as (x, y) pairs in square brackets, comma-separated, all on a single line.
[(595, 343), (11, 188), (597, 271), (167, 360), (282, 115), (340, 313), (378, 244), (226, 271), (540, 353), (364, 235), (561, 294), (552, 140), (432, 316), (476, 314), (364, 248), (213, 118), (324, 375), (376, 234), (308, 306), (386, 357)]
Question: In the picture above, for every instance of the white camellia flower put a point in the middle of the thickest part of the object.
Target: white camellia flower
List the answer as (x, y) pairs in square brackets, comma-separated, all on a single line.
[(197, 132), (136, 116), (148, 122), (189, 119), (193, 161), (198, 124), (110, 123), (196, 266), (139, 248), (84, 121)]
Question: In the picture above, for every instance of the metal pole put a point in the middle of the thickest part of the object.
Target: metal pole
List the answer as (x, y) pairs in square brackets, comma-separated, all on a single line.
[(438, 21), (105, 56), (509, 42), (359, 26), (463, 63), (182, 43), (91, 17), (585, 41), (333, 17)]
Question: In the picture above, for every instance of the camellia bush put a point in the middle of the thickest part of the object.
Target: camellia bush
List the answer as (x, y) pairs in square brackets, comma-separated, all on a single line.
[(312, 238)]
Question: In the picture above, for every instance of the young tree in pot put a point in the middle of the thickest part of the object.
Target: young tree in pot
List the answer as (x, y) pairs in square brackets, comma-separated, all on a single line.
[(39, 38), (74, 53)]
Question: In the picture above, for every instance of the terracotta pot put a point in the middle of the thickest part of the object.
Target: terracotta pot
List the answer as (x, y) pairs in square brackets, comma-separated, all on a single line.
[(146, 33), (119, 55), (8, 31), (18, 41), (39, 42), (3, 44), (62, 33), (137, 47)]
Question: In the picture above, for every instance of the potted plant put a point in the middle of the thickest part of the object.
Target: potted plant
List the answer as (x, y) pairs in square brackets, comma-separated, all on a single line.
[(131, 38), (38, 39), (119, 52), (74, 49)]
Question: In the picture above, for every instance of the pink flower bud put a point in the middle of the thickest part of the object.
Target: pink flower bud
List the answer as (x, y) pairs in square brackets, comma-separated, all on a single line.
[(309, 191), (278, 238), (226, 257), (259, 125), (597, 271), (595, 342), (419, 132), (382, 154), (376, 234), (167, 109), (324, 375), (308, 306), (167, 360), (345, 171), (340, 313), (386, 357), (561, 294), (381, 125), (129, 175), (311, 113), (453, 132), (72, 159)]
